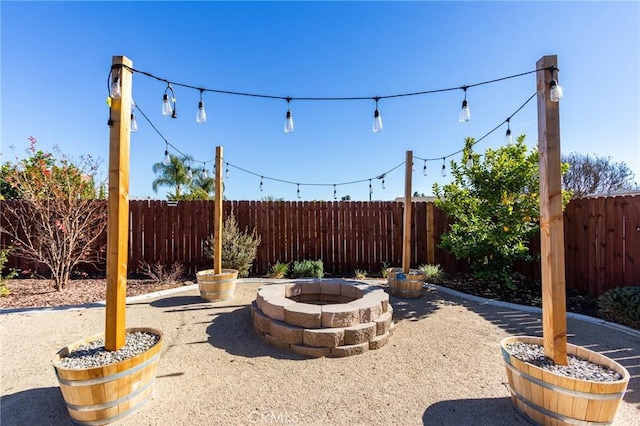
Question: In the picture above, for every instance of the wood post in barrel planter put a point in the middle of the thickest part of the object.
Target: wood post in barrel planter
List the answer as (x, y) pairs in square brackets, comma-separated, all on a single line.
[(217, 284), (406, 282), (544, 396), (101, 395)]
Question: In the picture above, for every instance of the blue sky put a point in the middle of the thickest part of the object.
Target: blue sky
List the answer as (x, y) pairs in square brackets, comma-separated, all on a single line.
[(55, 58)]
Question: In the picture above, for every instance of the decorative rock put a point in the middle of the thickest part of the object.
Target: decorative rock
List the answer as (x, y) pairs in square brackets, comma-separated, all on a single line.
[(286, 333), (323, 337), (340, 316), (360, 333), (379, 341), (303, 315), (309, 351), (349, 350)]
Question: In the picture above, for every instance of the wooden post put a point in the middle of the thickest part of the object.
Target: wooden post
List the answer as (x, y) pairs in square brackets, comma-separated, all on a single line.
[(406, 237), (118, 219), (217, 239), (431, 239), (554, 321)]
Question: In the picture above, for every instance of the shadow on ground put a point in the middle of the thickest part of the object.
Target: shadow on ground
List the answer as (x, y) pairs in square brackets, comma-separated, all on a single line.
[(47, 408), (477, 412), (616, 345), (233, 332), (414, 309)]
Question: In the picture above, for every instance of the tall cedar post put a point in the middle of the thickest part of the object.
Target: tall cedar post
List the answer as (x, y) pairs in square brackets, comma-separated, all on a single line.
[(118, 219), (217, 239), (554, 321), (406, 234)]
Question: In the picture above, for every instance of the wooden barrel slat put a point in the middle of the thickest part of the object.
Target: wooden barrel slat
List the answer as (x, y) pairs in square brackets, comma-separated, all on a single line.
[(404, 285), (549, 398), (217, 287), (101, 395)]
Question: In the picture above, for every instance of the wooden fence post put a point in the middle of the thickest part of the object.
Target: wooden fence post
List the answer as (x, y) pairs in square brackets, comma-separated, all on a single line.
[(118, 219), (217, 239), (554, 321)]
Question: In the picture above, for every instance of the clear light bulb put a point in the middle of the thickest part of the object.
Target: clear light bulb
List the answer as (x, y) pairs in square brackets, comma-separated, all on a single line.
[(508, 139), (424, 169), (465, 113), (556, 91), (205, 175), (377, 121), (335, 193), (288, 122), (298, 191), (134, 123), (167, 159), (444, 170), (115, 92), (261, 184), (470, 163), (383, 187), (166, 105), (201, 116), (226, 172), (189, 174)]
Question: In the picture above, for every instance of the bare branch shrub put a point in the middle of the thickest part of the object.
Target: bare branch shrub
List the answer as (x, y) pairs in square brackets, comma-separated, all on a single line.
[(158, 274)]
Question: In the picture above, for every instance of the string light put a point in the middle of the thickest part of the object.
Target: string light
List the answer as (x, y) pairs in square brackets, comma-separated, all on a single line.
[(383, 187), (465, 113), (115, 91), (335, 193), (508, 139), (556, 91), (261, 179), (298, 191), (189, 174), (444, 168), (370, 189), (469, 161), (201, 115), (167, 159), (288, 122), (226, 171), (424, 168), (377, 118), (205, 174), (167, 107)]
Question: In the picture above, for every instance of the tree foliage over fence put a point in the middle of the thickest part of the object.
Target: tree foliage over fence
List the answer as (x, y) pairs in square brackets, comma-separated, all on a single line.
[(58, 221)]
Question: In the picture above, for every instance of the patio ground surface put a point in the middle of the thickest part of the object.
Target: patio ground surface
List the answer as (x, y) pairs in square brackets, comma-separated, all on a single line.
[(442, 366)]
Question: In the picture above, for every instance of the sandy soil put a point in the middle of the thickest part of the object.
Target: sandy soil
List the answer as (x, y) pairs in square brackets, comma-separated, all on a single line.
[(442, 366)]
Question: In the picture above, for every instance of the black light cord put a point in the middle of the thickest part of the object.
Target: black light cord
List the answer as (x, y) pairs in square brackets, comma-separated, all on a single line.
[(339, 98)]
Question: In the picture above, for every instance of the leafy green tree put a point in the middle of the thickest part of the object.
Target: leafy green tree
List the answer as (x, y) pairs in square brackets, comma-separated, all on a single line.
[(54, 218), (595, 175), (494, 205)]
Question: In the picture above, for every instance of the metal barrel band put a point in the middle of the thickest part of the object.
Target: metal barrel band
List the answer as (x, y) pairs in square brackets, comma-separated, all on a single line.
[(110, 378), (110, 404), (570, 392), (116, 417), (565, 419)]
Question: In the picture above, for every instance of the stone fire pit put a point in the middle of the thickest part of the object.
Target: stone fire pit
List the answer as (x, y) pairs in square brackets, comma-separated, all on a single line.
[(317, 318)]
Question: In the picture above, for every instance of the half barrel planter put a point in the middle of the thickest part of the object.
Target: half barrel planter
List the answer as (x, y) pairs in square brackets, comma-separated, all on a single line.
[(102, 395), (408, 286), (217, 287), (552, 399)]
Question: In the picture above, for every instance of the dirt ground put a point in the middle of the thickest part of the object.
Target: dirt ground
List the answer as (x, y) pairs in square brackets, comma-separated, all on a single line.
[(442, 366)]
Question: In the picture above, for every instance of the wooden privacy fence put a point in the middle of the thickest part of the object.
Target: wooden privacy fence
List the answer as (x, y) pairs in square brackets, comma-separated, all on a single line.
[(602, 237)]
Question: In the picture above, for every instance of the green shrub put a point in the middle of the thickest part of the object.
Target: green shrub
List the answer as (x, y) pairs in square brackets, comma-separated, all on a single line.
[(433, 273), (384, 271), (279, 270), (621, 305), (307, 269), (239, 249), (4, 256)]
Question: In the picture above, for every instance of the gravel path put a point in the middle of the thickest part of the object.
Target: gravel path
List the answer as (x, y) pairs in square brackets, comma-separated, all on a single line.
[(442, 366)]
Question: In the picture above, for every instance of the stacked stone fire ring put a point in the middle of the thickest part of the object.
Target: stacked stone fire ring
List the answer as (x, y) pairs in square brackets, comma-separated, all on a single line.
[(316, 318)]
